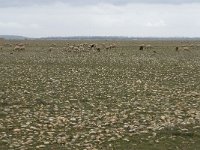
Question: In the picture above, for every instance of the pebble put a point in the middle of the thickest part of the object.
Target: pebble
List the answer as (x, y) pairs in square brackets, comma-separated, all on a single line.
[(40, 146)]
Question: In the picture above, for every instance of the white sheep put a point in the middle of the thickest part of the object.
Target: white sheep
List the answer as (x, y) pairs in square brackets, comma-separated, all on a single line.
[(21, 44), (85, 44), (50, 49), (148, 46), (70, 48), (53, 45), (108, 47), (186, 48), (113, 45), (182, 48), (64, 49), (17, 48), (82, 49), (76, 49)]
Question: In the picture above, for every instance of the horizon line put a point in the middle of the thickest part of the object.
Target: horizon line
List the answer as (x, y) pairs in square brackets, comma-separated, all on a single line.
[(99, 36)]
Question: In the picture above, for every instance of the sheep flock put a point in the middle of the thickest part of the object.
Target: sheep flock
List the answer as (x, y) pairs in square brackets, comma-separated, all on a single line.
[(99, 46), (82, 47)]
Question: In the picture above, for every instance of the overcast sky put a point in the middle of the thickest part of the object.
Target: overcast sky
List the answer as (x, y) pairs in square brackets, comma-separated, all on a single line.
[(141, 18)]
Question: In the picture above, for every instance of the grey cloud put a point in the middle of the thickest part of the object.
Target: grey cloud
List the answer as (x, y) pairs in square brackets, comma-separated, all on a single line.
[(115, 19), (18, 3)]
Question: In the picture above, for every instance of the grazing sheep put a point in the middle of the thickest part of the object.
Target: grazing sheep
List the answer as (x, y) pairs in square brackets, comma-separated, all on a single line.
[(177, 48), (22, 48), (198, 45), (113, 45), (81, 45), (186, 48), (104, 45), (50, 49), (148, 46), (19, 47), (76, 49), (92, 46), (53, 45), (70, 48), (142, 47), (98, 49), (192, 45), (85, 44), (108, 48), (21, 44), (182, 48), (81, 48), (64, 49)]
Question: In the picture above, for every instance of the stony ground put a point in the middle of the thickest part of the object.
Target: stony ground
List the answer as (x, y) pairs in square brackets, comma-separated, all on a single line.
[(114, 99)]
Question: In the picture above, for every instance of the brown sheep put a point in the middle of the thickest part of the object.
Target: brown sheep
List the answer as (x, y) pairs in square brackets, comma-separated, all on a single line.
[(92, 46), (177, 48), (142, 47), (98, 49), (108, 48)]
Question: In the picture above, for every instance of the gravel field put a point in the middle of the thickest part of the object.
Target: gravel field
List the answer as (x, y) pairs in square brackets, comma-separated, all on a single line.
[(117, 98)]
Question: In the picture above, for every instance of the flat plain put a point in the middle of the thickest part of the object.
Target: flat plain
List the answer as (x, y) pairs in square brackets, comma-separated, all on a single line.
[(55, 96)]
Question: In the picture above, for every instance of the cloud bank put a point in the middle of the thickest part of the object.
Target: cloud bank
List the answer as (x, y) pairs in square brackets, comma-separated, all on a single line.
[(158, 18), (21, 3)]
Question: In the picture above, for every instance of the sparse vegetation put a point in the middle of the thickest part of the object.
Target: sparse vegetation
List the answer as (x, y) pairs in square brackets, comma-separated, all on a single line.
[(115, 98)]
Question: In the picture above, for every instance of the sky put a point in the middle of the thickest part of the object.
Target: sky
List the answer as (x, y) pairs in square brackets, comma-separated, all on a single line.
[(133, 18)]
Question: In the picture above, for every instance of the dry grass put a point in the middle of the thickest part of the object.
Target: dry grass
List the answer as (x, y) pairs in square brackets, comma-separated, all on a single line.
[(121, 98)]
